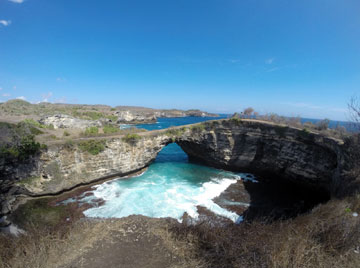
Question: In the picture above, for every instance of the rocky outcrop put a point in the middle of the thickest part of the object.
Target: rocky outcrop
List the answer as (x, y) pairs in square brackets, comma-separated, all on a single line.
[(262, 148), (134, 117), (66, 121)]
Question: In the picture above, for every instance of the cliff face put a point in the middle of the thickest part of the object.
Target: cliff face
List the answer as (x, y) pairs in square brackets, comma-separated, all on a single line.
[(271, 151), (258, 147), (62, 167)]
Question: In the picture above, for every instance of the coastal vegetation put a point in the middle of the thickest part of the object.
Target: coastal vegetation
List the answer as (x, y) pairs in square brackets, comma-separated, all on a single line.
[(91, 131), (198, 127), (109, 129), (175, 132), (131, 138), (93, 147), (18, 141), (321, 126)]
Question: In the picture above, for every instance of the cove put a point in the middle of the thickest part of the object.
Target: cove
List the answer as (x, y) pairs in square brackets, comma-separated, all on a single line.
[(170, 187)]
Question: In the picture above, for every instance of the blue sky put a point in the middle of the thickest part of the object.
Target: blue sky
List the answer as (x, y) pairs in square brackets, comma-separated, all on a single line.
[(288, 57)]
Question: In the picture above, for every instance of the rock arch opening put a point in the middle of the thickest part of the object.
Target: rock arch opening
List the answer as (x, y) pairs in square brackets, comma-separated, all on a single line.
[(171, 152)]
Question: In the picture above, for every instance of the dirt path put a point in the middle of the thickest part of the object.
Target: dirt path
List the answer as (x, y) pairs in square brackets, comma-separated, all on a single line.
[(138, 242)]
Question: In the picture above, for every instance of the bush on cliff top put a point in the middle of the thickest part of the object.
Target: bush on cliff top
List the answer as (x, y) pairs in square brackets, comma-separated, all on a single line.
[(131, 138), (26, 148), (91, 131), (175, 132), (93, 147), (108, 129), (18, 141)]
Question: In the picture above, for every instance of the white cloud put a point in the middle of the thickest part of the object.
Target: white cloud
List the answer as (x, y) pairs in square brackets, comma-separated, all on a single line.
[(6, 95), (21, 98), (17, 1), (0, 88), (5, 22), (269, 61)]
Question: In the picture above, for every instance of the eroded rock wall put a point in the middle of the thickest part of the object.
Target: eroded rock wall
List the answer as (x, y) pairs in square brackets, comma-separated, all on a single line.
[(63, 168), (269, 150)]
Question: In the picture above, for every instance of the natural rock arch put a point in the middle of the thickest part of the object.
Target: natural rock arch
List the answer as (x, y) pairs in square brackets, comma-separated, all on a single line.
[(262, 148)]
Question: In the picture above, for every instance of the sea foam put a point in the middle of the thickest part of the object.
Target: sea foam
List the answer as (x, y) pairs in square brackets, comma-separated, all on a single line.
[(165, 190)]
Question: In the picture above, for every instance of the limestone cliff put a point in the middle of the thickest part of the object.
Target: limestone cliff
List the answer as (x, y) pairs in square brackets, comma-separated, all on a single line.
[(262, 148)]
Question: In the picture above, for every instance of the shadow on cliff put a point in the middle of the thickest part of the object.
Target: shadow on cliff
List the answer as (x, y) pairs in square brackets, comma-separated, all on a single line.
[(272, 199)]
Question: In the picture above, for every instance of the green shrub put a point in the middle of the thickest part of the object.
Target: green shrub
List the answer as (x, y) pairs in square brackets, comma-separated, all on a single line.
[(66, 133), (175, 132), (113, 118), (35, 131), (69, 144), (198, 128), (22, 151), (110, 129), (52, 136), (92, 115), (93, 147), (34, 123), (91, 131), (43, 146), (131, 138), (33, 126)]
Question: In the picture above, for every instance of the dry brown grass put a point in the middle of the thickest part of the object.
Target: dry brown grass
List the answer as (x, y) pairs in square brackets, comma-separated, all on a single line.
[(325, 237), (44, 248)]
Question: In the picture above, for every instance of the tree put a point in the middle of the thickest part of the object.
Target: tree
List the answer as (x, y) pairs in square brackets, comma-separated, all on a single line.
[(354, 111), (323, 124), (248, 111)]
